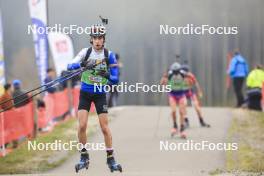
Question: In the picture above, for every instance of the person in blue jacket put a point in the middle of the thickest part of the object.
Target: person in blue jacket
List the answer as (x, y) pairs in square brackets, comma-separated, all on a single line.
[(238, 71), (101, 71)]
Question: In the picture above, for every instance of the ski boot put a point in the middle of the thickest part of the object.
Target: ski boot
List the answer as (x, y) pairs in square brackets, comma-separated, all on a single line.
[(84, 162), (186, 122), (203, 124), (113, 166), (182, 133), (174, 131)]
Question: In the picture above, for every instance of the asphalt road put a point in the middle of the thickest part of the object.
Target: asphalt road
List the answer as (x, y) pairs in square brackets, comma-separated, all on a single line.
[(137, 134)]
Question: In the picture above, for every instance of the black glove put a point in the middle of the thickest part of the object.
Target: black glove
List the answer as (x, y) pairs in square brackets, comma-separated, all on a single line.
[(104, 74), (175, 72), (183, 73), (89, 64)]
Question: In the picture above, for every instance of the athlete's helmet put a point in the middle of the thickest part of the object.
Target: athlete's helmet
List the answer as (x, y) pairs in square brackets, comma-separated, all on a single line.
[(175, 66), (97, 30)]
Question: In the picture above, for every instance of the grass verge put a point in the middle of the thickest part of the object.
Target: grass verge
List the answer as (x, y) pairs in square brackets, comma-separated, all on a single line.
[(247, 129), (22, 160)]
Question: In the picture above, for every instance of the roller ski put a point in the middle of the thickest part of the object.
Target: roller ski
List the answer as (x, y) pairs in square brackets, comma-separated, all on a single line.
[(183, 135), (182, 132), (113, 166), (84, 162), (186, 122), (174, 131), (203, 124)]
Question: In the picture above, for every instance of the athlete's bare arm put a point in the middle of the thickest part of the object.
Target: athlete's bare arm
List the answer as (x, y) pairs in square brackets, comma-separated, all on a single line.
[(199, 89), (164, 79)]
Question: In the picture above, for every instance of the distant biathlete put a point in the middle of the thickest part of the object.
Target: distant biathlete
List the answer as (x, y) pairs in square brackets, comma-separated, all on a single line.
[(175, 78)]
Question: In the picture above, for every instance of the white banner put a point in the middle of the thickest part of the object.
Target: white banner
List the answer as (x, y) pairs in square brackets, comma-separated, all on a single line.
[(61, 49), (38, 14), (2, 63)]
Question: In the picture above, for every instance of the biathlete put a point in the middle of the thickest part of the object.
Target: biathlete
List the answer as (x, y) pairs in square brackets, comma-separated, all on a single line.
[(176, 79), (193, 88), (97, 60)]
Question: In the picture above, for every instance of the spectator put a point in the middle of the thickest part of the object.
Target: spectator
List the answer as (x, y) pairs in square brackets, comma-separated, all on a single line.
[(7, 96), (238, 71), (40, 103), (51, 75), (18, 92), (255, 81), (8, 105)]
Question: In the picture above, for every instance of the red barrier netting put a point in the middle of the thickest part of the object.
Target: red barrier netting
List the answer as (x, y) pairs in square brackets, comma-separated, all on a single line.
[(16, 123), (42, 118), (61, 104), (49, 106), (19, 122), (76, 94), (56, 104)]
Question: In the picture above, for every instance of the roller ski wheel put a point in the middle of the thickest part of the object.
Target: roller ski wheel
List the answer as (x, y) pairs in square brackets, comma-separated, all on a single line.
[(80, 166), (205, 125), (117, 167), (174, 131), (183, 135), (84, 163), (113, 166)]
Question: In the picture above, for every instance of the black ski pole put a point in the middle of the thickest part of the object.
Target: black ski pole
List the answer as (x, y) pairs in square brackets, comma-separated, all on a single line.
[(55, 84), (39, 87), (49, 85)]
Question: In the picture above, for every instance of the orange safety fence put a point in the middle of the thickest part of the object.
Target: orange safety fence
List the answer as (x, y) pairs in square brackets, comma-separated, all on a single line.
[(61, 104), (56, 104), (49, 100), (16, 123), (76, 94), (19, 122), (42, 118)]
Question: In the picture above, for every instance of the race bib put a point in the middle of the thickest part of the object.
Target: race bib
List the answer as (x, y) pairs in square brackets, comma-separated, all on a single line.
[(96, 79)]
